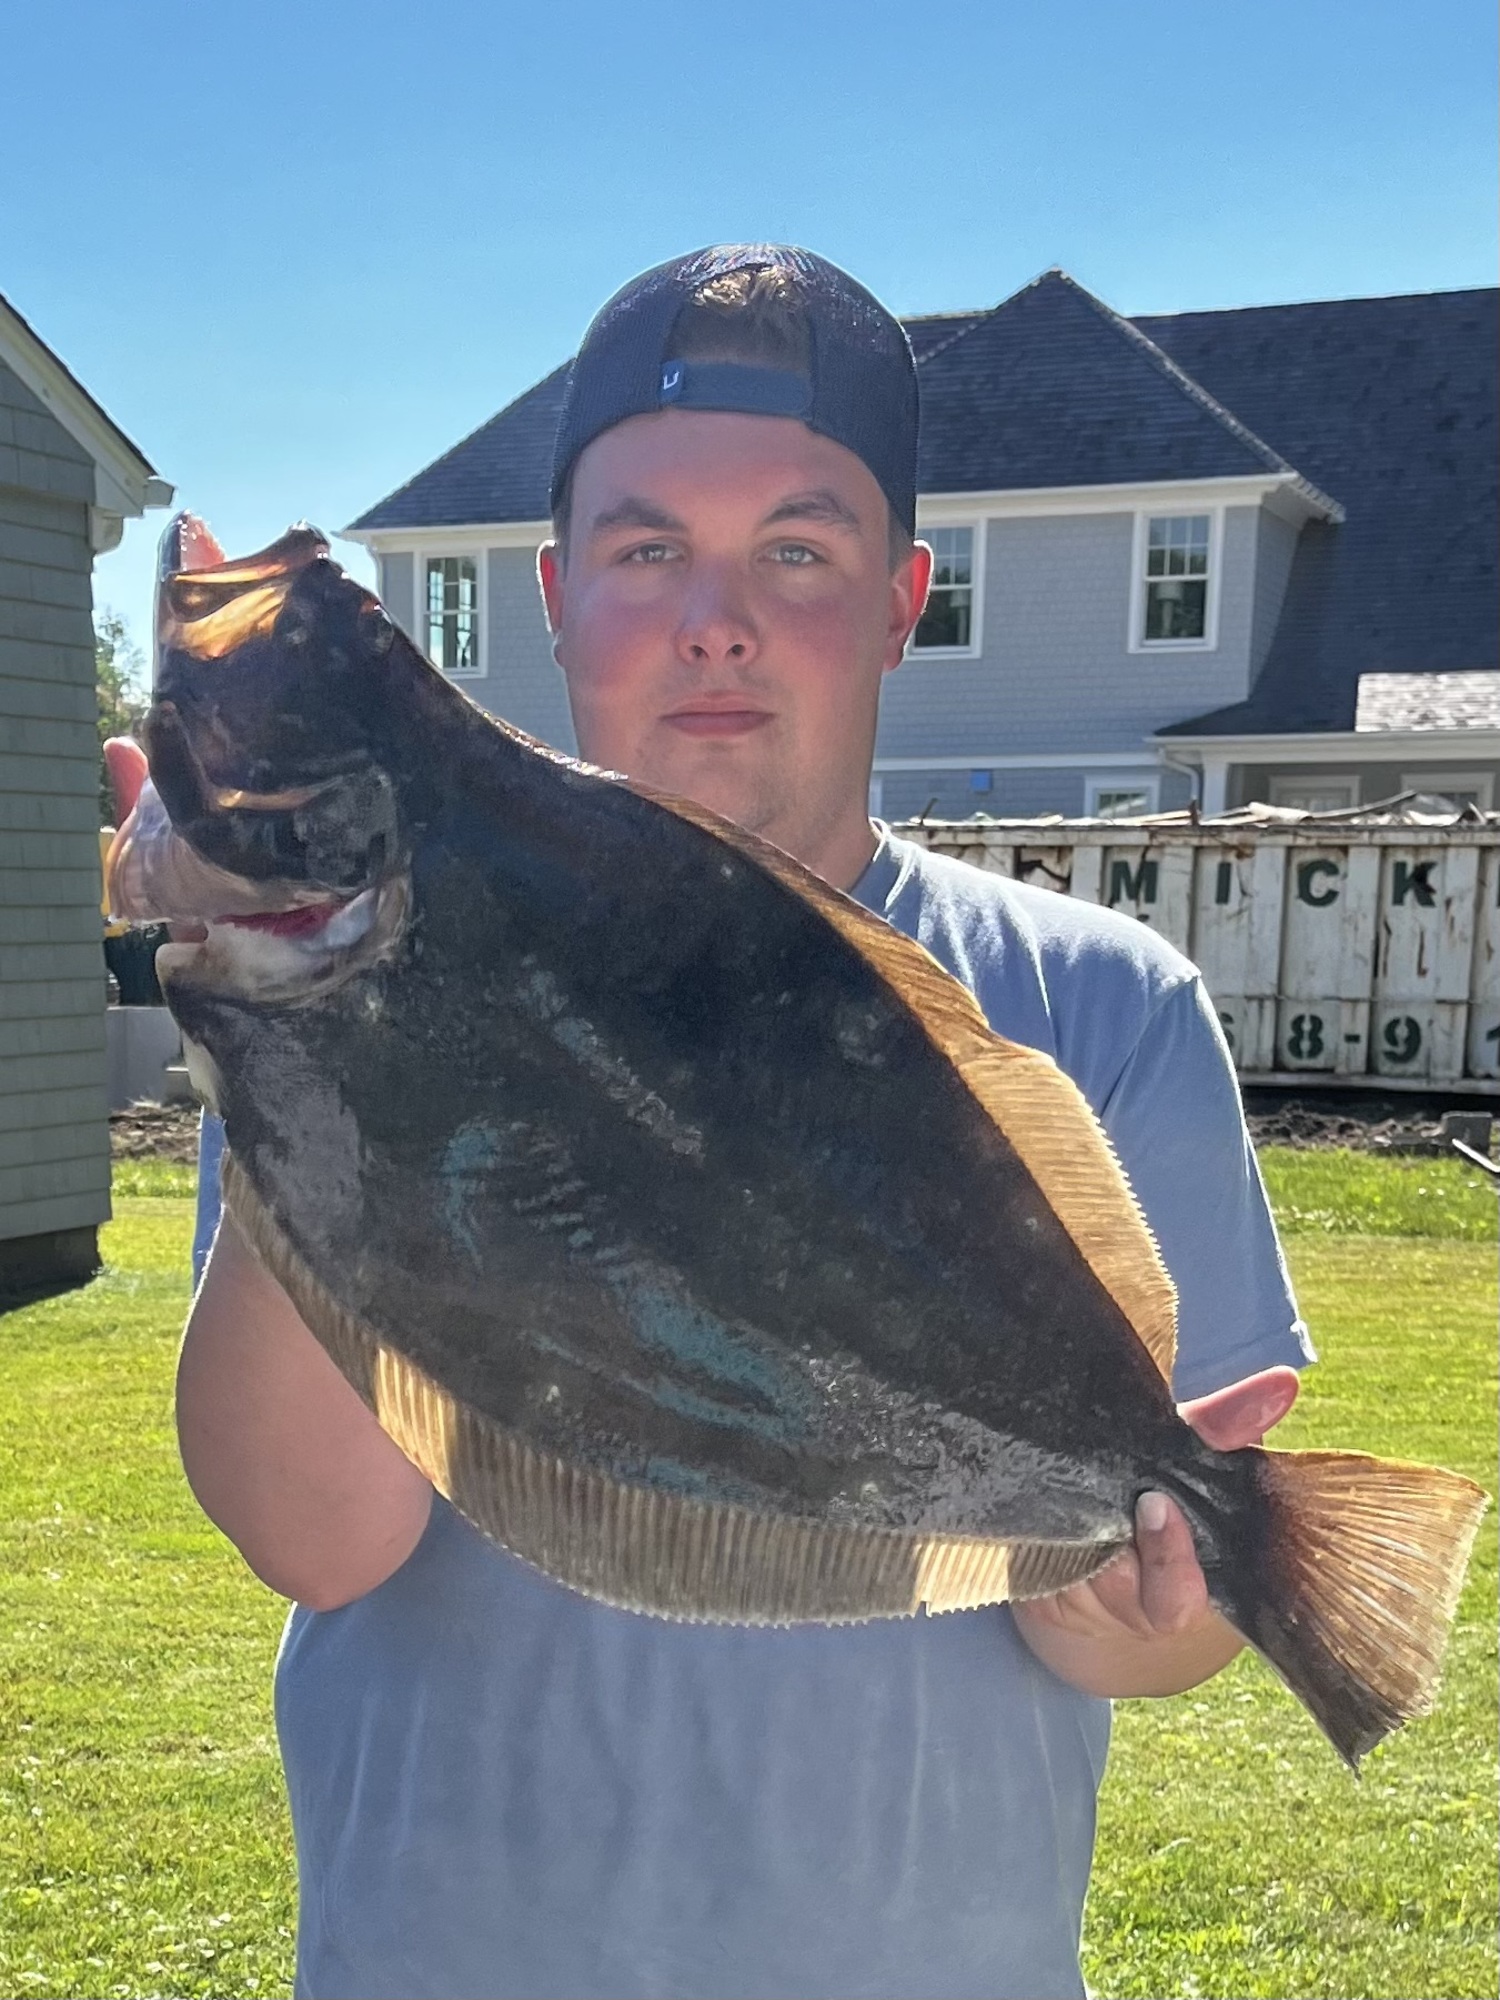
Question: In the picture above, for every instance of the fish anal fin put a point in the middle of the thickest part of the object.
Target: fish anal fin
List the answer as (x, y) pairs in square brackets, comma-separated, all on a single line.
[(1039, 1110), (635, 1546)]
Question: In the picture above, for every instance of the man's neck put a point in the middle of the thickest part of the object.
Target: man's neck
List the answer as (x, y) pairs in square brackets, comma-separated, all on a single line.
[(845, 855)]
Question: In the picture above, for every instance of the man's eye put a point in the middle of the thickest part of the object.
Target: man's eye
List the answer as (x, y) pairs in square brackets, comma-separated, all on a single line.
[(648, 552), (796, 555)]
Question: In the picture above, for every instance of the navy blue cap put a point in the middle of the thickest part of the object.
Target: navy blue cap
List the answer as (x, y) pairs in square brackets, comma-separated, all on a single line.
[(862, 390)]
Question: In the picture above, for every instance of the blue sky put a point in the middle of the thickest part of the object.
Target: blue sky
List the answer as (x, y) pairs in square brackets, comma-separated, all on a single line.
[(297, 251)]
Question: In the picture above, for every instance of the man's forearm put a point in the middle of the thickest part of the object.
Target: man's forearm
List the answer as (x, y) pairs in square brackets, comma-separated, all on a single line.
[(280, 1451), (1121, 1664)]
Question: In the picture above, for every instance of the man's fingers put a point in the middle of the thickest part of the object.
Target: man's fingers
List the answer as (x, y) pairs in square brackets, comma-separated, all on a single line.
[(125, 761), (1245, 1411), (1172, 1590)]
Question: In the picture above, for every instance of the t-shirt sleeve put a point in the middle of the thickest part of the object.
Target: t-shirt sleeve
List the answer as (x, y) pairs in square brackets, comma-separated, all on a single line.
[(1175, 1118), (210, 1159)]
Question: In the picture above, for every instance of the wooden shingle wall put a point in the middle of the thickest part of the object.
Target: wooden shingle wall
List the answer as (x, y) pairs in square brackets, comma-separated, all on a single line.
[(54, 1138)]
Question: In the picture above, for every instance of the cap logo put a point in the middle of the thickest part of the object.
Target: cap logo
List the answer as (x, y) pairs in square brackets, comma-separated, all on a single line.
[(671, 381)]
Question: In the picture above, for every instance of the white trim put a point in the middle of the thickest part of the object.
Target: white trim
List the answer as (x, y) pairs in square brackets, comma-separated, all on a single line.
[(1283, 491), (975, 648), (1064, 760), (481, 605), (1095, 782), (1482, 783), (1135, 642), (1365, 746), (468, 535), (124, 482)]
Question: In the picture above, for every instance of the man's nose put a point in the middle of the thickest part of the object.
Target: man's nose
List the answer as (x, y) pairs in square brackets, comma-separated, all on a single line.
[(717, 624)]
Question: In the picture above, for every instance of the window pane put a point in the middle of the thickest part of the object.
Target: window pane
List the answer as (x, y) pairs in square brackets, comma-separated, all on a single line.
[(453, 613), (1176, 610), (1121, 804), (945, 622), (952, 554)]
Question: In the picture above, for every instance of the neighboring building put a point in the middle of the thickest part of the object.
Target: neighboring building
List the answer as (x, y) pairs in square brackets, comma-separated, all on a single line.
[(68, 481), (1170, 554)]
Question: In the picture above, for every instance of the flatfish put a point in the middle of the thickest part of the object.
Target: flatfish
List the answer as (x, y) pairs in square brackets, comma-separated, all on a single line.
[(685, 1224)]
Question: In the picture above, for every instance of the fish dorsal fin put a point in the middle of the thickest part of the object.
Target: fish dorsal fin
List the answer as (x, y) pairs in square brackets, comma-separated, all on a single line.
[(1041, 1112)]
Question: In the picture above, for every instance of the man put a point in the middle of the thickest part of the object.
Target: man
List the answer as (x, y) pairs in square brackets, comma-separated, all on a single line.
[(499, 1787)]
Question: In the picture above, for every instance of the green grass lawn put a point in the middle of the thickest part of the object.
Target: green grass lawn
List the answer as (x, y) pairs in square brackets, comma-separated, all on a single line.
[(144, 1847)]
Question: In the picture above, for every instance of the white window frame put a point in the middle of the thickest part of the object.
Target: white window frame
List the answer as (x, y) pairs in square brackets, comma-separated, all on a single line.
[(1309, 781), (1095, 782), (480, 559), (1481, 783), (1136, 641), (979, 526)]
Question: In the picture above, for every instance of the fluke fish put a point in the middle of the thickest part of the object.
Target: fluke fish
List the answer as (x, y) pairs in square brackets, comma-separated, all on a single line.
[(685, 1224)]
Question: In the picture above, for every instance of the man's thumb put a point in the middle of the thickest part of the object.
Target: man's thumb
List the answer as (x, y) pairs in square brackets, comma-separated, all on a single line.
[(125, 761)]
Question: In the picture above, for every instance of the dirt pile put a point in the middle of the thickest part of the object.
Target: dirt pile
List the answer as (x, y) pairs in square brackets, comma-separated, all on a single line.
[(1376, 1125), (155, 1132)]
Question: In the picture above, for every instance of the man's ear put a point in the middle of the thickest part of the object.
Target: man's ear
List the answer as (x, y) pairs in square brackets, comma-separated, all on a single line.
[(910, 582), (549, 574)]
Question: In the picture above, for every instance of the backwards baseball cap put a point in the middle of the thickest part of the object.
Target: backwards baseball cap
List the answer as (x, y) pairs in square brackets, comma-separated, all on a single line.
[(860, 390)]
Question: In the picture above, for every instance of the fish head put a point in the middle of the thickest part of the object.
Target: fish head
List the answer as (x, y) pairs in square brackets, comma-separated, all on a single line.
[(272, 817)]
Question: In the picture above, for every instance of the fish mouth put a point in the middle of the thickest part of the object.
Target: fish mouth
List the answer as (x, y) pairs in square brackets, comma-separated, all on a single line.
[(262, 942)]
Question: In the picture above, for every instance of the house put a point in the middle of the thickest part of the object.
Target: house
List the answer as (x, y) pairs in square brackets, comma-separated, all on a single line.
[(69, 480), (1223, 555)]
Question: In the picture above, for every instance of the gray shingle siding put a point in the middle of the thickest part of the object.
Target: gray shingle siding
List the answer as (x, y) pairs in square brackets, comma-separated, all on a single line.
[(398, 591), (525, 684), (1275, 548), (1056, 673), (54, 1146)]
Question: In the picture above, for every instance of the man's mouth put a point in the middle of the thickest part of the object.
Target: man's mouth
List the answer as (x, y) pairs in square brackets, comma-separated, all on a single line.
[(716, 719)]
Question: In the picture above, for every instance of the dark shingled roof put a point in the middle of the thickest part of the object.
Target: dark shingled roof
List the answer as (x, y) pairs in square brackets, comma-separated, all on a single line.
[(501, 472), (1388, 404), (1054, 389), (1050, 388)]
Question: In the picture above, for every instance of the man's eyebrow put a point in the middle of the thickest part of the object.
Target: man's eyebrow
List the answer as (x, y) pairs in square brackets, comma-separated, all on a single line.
[(634, 512), (820, 503)]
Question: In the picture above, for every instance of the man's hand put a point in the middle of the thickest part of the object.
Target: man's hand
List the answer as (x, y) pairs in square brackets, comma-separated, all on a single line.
[(1144, 1625), (125, 761)]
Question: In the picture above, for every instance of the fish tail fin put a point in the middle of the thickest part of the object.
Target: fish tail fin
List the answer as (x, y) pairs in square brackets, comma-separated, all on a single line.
[(1364, 1565)]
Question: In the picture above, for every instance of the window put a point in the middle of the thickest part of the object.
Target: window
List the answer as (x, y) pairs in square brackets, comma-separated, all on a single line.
[(1175, 607), (1465, 788), (1315, 794), (1119, 798), (453, 615), (947, 624)]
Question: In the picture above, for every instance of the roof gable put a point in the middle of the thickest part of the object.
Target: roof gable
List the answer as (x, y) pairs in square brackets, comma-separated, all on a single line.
[(125, 480), (1053, 388)]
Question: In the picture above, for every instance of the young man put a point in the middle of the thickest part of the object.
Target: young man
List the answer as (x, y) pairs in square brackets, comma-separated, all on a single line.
[(499, 1787)]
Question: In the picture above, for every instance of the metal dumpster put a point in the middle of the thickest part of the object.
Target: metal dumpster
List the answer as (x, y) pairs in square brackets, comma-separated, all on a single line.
[(1339, 948)]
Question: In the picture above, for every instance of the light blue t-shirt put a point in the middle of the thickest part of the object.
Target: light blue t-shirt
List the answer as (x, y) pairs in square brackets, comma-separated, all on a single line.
[(500, 1788)]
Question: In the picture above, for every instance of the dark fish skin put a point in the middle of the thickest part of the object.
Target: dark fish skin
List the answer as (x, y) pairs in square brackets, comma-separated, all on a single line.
[(624, 1144)]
